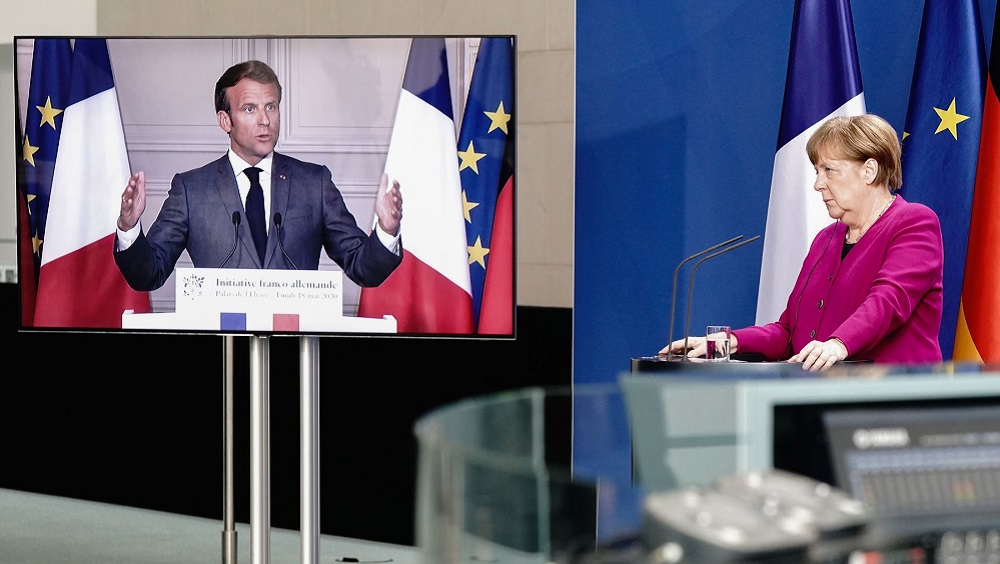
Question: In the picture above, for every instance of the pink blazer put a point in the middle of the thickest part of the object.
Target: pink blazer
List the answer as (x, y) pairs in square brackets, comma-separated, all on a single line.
[(883, 300)]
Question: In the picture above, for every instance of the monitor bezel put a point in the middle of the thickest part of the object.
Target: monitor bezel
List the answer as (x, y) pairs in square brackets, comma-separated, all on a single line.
[(195, 331)]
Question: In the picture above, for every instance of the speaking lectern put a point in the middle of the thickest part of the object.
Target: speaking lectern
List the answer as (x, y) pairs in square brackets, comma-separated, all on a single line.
[(261, 303), (745, 365), (234, 300), (749, 366)]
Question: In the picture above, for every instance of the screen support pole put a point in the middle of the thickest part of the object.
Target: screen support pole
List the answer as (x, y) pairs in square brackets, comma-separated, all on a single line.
[(228, 515), (260, 485), (309, 449)]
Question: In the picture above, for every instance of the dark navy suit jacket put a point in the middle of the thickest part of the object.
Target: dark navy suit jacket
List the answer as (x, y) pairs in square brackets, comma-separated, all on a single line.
[(198, 216)]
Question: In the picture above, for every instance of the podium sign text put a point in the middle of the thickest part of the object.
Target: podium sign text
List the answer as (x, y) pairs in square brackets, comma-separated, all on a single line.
[(219, 290), (231, 300)]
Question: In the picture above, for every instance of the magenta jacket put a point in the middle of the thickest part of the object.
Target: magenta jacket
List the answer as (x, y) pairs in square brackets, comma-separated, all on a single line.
[(883, 300)]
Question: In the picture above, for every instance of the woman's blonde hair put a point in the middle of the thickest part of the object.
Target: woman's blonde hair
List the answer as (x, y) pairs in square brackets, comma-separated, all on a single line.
[(859, 138)]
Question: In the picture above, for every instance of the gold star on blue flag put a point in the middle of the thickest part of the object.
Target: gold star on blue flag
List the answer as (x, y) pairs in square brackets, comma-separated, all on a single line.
[(48, 93), (950, 119)]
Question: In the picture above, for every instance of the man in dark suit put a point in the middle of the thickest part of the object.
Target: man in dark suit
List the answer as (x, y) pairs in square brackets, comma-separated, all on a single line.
[(210, 210)]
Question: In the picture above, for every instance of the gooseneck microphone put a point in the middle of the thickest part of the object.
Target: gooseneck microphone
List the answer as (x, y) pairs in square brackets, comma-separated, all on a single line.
[(673, 293), (236, 237), (687, 319), (281, 246)]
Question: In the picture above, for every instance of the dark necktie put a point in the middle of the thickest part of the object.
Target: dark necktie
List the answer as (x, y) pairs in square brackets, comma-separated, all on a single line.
[(255, 212)]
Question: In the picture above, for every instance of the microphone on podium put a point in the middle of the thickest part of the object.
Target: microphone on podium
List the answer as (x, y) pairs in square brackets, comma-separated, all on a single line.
[(277, 227), (687, 319), (236, 237), (673, 293)]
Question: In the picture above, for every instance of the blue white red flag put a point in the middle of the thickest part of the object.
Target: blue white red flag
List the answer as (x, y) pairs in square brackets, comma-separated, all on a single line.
[(78, 282), (430, 291), (822, 38)]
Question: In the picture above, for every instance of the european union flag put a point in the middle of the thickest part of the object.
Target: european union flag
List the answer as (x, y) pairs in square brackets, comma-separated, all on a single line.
[(51, 64), (941, 135), (482, 147)]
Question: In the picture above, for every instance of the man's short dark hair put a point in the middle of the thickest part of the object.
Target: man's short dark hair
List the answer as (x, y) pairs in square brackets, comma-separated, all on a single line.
[(254, 70)]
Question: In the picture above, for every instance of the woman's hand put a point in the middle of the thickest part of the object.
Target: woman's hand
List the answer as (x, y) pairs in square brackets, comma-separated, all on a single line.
[(696, 346), (820, 355)]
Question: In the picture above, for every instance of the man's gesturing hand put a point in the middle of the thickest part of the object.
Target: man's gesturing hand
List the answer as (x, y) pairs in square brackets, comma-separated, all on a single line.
[(389, 205), (133, 201)]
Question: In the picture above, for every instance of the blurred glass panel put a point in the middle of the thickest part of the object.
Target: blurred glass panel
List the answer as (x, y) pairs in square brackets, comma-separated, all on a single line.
[(496, 482)]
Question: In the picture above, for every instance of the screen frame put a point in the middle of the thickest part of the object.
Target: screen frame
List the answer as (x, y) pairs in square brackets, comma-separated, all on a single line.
[(272, 46)]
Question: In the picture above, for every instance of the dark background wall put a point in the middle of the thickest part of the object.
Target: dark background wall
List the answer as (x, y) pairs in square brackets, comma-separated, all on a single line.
[(79, 421)]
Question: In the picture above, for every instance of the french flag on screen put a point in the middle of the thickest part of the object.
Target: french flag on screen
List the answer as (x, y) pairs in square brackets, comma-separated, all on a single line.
[(823, 81), (78, 282), (430, 291)]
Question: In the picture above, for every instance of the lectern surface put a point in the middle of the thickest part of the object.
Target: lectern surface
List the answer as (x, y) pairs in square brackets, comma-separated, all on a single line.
[(741, 365), (746, 366)]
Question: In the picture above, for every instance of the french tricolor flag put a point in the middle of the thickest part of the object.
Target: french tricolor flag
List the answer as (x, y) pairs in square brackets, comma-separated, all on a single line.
[(823, 81), (78, 282), (430, 291)]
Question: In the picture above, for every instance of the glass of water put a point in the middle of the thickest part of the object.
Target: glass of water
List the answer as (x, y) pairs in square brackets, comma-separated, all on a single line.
[(717, 341)]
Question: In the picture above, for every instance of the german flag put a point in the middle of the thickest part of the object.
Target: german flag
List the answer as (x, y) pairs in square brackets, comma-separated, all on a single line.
[(977, 337)]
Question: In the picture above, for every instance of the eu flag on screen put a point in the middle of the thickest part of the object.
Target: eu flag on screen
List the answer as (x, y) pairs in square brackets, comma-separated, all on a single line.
[(482, 147), (941, 135), (51, 64)]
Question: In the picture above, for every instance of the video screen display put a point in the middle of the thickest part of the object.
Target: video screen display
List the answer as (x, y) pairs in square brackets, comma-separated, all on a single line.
[(919, 461), (267, 185)]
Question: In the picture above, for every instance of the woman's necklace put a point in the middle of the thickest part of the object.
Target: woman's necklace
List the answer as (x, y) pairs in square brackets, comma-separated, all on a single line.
[(864, 228)]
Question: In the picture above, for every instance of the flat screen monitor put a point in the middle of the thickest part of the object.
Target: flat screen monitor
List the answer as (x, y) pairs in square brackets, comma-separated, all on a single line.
[(915, 462), (347, 117), (919, 465)]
